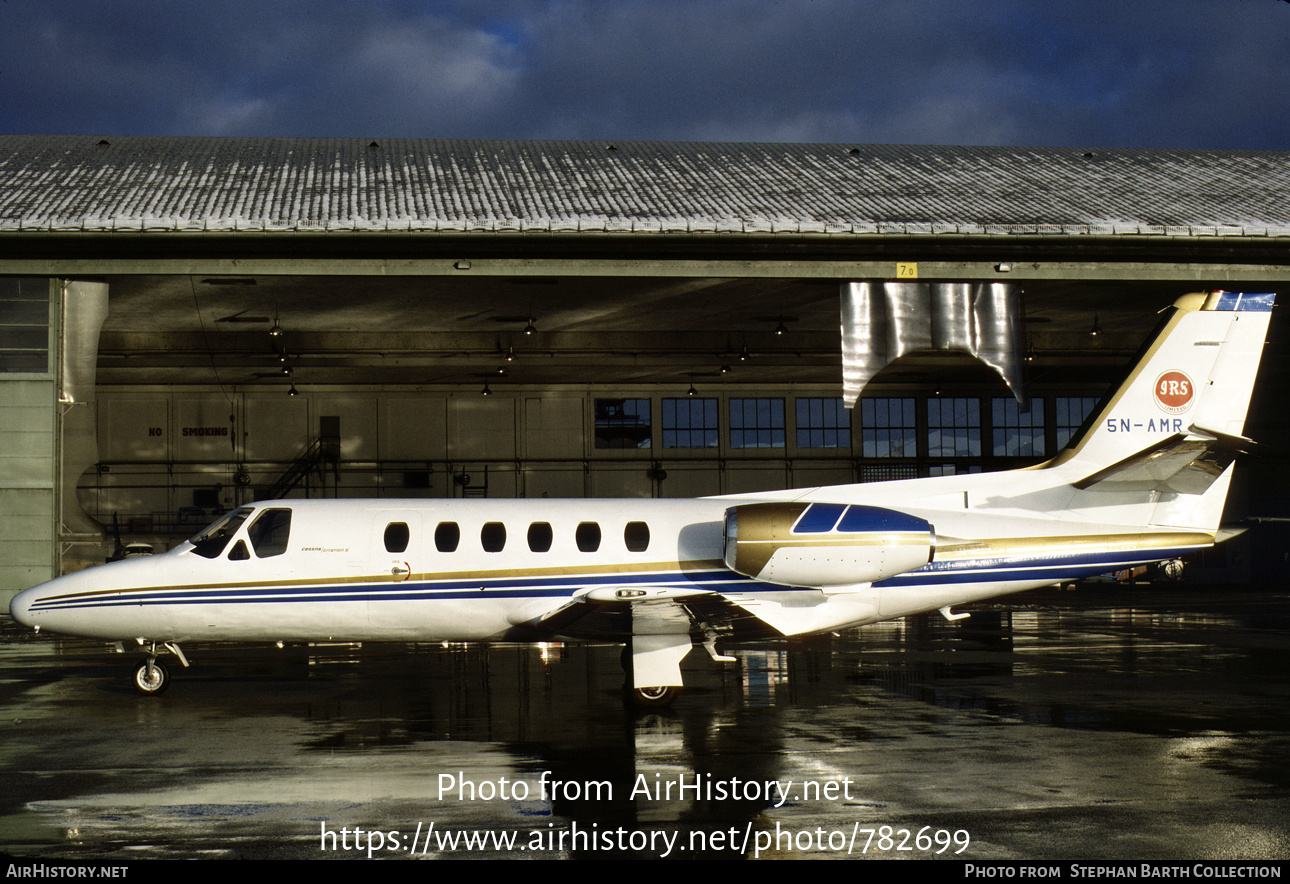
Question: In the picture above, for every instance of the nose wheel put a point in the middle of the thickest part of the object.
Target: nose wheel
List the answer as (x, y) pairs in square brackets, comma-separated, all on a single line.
[(655, 696), (151, 677)]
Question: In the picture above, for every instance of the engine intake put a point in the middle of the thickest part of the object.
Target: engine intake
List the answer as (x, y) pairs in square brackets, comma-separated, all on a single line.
[(824, 544)]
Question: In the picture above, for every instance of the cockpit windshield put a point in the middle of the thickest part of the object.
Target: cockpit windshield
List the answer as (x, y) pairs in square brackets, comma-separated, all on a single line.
[(211, 542)]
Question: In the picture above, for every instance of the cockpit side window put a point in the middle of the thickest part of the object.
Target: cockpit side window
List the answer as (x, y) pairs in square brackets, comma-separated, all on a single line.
[(211, 542), (269, 532)]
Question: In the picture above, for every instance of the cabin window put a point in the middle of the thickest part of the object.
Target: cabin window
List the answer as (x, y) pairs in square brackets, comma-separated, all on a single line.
[(636, 536), (211, 542), (269, 532), (493, 536), (238, 553), (540, 535), (588, 536), (446, 537), (397, 536)]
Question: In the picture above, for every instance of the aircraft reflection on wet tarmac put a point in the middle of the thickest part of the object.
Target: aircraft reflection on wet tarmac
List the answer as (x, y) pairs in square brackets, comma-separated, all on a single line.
[(1059, 727)]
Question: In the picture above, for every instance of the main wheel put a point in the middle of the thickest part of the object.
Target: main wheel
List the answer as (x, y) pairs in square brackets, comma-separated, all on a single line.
[(657, 695), (151, 677)]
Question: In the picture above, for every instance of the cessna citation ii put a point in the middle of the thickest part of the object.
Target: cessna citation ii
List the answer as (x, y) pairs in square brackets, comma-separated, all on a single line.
[(1143, 481)]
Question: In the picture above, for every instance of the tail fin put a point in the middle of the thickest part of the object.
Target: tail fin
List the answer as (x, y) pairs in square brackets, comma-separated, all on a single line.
[(1174, 425)]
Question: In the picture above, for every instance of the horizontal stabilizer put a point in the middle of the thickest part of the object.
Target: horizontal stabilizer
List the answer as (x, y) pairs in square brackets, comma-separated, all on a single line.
[(1184, 463)]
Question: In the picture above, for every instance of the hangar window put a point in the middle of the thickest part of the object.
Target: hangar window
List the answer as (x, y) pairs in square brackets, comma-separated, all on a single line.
[(1069, 413), (622, 423), (397, 536), (1017, 433), (493, 536), (540, 535), (588, 536), (888, 428), (24, 324), (689, 423), (953, 427), (269, 532), (211, 542), (823, 423), (636, 536), (446, 537), (756, 423), (950, 469)]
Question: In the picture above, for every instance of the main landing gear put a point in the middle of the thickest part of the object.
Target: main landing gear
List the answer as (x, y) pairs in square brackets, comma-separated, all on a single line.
[(653, 666), (151, 677)]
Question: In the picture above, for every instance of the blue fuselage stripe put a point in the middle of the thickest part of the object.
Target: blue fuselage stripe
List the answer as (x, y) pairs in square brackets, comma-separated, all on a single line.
[(1048, 568)]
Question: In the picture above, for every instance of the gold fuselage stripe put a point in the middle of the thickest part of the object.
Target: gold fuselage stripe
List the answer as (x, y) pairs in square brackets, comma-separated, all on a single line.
[(949, 549), (645, 568)]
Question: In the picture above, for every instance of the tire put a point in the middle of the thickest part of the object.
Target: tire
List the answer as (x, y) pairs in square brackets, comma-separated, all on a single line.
[(656, 696), (151, 682)]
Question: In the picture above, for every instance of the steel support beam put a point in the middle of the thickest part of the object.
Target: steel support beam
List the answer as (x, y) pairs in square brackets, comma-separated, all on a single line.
[(1003, 271)]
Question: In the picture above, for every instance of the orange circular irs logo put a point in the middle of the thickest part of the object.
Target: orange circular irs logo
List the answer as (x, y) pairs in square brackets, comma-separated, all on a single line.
[(1174, 392)]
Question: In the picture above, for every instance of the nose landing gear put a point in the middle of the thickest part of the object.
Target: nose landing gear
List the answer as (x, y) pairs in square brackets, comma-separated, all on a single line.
[(656, 696), (151, 676)]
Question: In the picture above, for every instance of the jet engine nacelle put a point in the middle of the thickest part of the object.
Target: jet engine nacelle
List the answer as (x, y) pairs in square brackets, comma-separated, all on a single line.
[(824, 544)]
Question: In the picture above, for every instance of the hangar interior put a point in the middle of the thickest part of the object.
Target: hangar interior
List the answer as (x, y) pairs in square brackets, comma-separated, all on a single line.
[(235, 364), (595, 401)]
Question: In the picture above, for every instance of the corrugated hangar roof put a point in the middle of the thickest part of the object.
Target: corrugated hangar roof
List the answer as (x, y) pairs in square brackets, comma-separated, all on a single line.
[(85, 183)]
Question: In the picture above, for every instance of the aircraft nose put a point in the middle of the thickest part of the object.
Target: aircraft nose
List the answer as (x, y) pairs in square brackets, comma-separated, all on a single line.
[(20, 607)]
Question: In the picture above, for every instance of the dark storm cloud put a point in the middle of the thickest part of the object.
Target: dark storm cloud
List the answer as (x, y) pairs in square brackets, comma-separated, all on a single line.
[(1194, 73), (338, 68)]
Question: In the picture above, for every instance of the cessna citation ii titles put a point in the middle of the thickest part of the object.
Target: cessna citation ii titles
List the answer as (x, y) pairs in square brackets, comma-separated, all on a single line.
[(1143, 481)]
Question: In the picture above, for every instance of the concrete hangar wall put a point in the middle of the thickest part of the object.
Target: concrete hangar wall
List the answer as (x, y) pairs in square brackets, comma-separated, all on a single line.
[(648, 319)]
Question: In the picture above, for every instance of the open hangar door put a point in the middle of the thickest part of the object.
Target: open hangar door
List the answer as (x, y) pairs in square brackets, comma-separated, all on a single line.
[(213, 390)]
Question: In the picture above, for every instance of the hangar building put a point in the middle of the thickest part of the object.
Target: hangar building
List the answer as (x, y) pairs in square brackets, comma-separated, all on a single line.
[(187, 324)]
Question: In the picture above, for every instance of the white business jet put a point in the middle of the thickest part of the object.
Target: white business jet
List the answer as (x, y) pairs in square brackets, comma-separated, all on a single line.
[(1143, 481)]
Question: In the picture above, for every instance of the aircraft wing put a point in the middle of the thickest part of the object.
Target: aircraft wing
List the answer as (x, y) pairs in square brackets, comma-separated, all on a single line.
[(1181, 463), (611, 614)]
